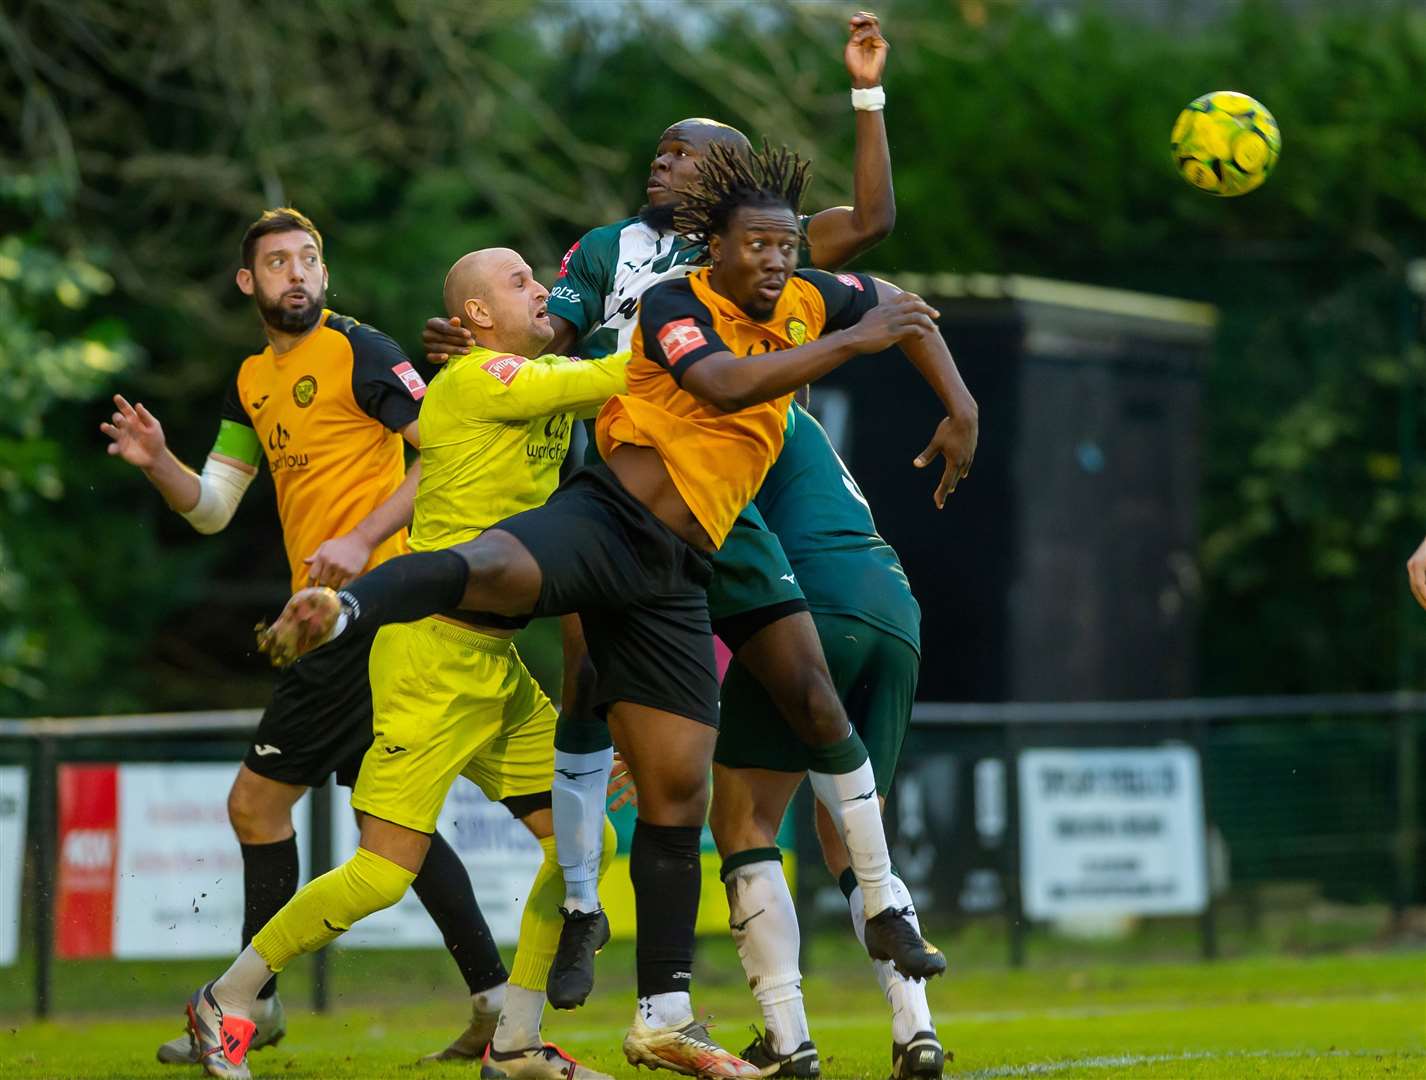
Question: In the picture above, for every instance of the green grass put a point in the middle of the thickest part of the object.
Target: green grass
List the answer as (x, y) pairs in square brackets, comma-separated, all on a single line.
[(1341, 1015)]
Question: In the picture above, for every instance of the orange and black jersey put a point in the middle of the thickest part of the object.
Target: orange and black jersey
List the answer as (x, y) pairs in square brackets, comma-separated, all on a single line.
[(325, 415), (717, 460)]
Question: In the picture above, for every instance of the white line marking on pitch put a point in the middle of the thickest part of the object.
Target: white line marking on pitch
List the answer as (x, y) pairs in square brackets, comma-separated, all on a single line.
[(1124, 1061)]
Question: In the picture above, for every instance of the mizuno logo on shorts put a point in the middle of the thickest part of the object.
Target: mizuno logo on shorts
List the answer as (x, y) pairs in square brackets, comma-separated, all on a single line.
[(791, 578), (394, 749), (863, 797), (576, 775), (265, 749)]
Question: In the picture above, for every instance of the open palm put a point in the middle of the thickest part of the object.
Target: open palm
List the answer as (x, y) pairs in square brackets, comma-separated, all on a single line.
[(137, 436)]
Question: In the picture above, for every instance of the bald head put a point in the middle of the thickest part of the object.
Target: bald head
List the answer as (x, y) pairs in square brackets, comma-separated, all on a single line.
[(701, 131), (469, 278), (496, 297)]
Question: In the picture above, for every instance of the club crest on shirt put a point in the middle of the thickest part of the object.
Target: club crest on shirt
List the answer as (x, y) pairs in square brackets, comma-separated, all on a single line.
[(304, 390), (796, 331), (851, 281)]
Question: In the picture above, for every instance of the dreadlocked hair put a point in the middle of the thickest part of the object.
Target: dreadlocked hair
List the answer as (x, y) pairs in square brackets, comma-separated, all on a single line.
[(730, 178)]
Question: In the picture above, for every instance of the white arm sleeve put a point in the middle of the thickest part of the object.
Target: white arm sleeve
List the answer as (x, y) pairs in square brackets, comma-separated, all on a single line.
[(220, 489)]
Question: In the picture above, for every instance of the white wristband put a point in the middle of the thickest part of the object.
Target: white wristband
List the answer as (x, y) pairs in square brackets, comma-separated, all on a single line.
[(869, 99)]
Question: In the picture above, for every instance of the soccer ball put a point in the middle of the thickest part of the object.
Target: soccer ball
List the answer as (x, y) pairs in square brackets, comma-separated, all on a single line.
[(1225, 143)]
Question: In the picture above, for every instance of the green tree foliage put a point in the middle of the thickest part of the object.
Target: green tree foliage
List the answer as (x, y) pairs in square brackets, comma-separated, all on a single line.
[(50, 355), (1025, 139)]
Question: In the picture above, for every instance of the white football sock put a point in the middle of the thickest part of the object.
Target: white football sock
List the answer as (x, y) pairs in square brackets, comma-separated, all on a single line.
[(519, 1026), (577, 801), (236, 989), (764, 924), (489, 1001), (850, 799), (910, 1011), (665, 1010)]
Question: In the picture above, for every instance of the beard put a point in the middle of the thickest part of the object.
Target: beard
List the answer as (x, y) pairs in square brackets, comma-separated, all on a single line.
[(658, 218), (285, 320)]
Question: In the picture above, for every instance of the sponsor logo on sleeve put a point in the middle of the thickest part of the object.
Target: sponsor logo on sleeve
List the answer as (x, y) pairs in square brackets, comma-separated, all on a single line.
[(564, 263), (411, 379), (679, 338), (565, 293), (504, 367), (851, 281)]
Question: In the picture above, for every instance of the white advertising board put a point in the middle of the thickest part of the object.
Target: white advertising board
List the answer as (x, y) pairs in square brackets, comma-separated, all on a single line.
[(14, 798), (499, 854), (1111, 832), (178, 882)]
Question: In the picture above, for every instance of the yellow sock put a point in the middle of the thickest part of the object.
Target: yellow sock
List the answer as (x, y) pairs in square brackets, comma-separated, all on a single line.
[(330, 905), (541, 922)]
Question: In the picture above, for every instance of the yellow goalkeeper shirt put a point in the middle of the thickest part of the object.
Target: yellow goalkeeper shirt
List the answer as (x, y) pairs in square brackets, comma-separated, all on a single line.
[(494, 432)]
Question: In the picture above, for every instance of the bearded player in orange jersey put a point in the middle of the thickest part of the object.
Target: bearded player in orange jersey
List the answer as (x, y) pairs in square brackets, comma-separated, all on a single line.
[(327, 403)]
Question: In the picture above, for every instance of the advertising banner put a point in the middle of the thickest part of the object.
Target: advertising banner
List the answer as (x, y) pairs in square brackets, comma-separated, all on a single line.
[(1112, 832), (14, 798), (149, 866)]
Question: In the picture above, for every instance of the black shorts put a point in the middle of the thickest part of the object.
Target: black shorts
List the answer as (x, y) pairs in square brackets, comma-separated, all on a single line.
[(319, 719), (640, 590)]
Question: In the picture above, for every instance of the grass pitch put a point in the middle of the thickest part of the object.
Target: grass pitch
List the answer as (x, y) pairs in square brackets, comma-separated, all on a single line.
[(1355, 1015)]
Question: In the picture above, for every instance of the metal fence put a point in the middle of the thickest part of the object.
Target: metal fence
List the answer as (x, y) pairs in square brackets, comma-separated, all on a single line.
[(1315, 788)]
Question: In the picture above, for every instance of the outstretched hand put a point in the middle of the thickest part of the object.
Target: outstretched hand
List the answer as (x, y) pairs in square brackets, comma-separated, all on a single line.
[(305, 623), (137, 436), (955, 440), (444, 338), (866, 50)]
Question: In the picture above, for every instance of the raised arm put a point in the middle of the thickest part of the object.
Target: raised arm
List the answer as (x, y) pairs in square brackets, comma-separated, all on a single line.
[(208, 501), (840, 234)]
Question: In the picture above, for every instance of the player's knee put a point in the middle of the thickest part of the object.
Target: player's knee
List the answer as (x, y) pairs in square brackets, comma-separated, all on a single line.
[(678, 797), (254, 820), (497, 565), (819, 717)]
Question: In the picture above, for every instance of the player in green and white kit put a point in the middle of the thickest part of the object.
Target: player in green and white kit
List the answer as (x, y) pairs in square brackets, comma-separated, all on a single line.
[(756, 604), (870, 627)]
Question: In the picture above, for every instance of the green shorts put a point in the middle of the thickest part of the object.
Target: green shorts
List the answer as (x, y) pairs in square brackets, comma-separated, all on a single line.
[(875, 674), (753, 583)]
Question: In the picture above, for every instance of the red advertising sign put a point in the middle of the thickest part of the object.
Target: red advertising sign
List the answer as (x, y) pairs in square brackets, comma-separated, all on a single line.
[(88, 851)]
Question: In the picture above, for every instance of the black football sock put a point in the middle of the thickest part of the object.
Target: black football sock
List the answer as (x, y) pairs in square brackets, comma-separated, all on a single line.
[(269, 881), (406, 588), (667, 876), (444, 890)]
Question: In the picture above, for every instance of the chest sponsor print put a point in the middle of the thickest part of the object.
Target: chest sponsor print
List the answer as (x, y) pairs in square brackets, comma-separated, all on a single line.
[(283, 456)]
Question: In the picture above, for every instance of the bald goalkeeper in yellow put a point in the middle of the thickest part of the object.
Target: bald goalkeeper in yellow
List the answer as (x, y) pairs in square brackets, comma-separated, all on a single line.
[(450, 694)]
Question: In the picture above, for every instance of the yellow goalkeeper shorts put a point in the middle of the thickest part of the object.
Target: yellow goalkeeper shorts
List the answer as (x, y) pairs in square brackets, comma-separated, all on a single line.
[(448, 701)]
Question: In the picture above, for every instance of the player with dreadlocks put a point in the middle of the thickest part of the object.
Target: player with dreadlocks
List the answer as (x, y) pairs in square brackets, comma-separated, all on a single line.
[(717, 358), (868, 625)]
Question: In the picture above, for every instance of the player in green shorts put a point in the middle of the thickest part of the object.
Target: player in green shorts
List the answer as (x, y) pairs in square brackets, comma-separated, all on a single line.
[(870, 628), (756, 606)]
